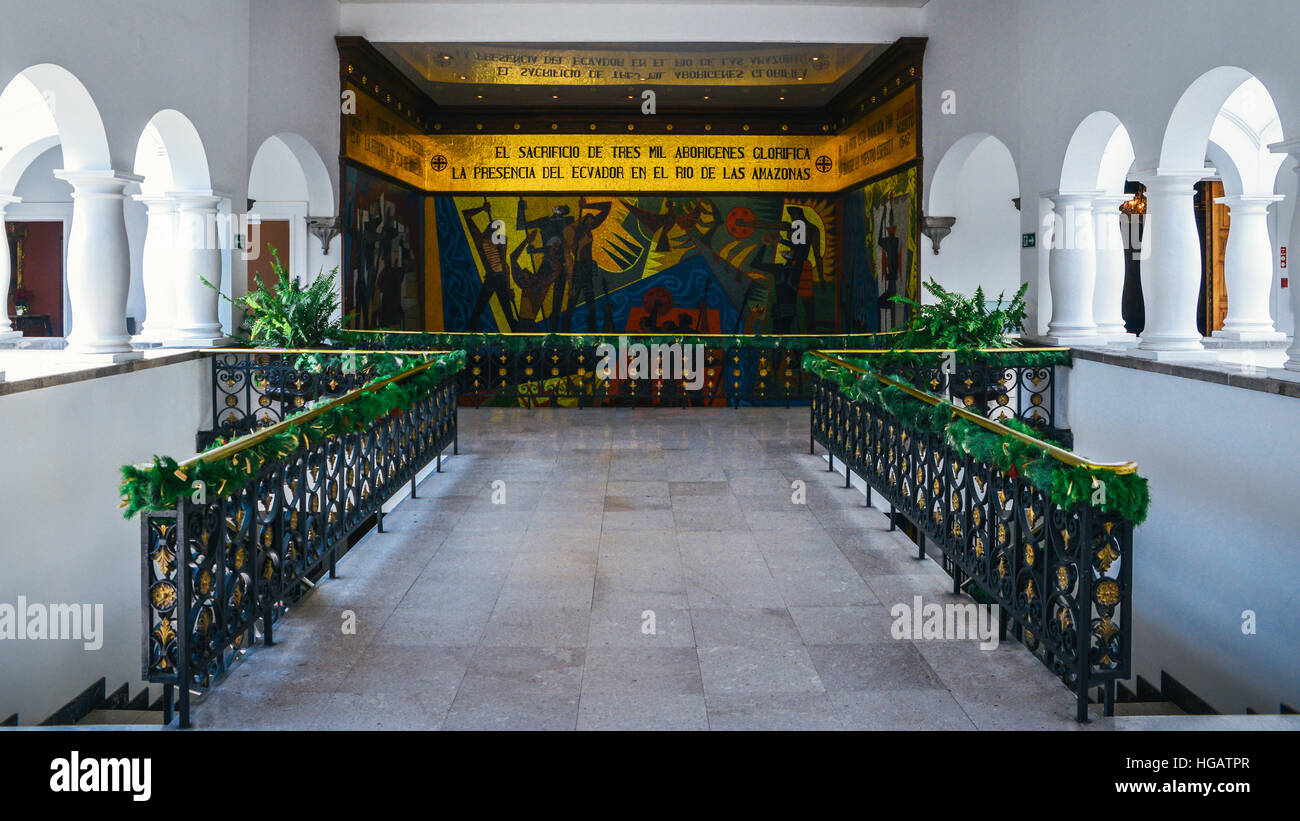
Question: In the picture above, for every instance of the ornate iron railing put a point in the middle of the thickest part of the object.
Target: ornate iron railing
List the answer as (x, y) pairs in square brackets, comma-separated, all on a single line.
[(737, 372), (1062, 578), (255, 388), (218, 570)]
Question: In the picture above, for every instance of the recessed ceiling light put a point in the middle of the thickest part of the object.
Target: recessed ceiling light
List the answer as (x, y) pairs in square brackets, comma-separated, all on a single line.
[(480, 96), (446, 56), (706, 96)]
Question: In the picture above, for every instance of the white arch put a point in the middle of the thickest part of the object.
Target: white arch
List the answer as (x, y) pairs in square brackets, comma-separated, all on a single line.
[(43, 106), (1220, 93), (306, 176), (1099, 155), (976, 182), (170, 155)]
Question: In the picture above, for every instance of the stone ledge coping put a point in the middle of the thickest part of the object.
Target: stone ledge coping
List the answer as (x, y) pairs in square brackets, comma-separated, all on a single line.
[(1206, 372), (91, 371)]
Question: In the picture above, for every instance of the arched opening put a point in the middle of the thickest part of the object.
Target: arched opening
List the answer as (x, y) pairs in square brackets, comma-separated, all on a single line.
[(176, 191), (1102, 277), (975, 182), (50, 124), (288, 182), (1226, 116)]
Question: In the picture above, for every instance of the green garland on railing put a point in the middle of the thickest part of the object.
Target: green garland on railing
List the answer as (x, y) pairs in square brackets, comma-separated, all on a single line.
[(517, 343), (1007, 357), (161, 484), (1127, 495)]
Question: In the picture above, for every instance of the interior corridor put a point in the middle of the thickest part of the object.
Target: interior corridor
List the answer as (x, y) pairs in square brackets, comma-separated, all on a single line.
[(532, 613)]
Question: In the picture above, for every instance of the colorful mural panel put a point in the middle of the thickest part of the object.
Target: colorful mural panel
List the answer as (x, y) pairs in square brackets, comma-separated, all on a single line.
[(661, 264), (383, 284), (881, 262)]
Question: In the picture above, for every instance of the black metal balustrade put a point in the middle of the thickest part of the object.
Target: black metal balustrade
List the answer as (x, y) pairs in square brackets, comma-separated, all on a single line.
[(735, 375), (219, 570), (1062, 578), (255, 388)]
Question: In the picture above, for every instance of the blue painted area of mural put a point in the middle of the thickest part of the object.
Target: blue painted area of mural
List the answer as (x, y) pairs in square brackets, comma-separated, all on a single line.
[(859, 275), (688, 283), (460, 278)]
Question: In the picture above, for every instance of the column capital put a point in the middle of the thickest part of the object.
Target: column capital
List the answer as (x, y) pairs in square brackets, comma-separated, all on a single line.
[(1169, 177), (195, 200), (1110, 202), (1072, 196), (1249, 203), (1291, 147), (159, 202), (105, 180)]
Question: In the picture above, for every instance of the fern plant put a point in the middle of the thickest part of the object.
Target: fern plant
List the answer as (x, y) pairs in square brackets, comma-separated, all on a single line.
[(291, 316), (955, 321)]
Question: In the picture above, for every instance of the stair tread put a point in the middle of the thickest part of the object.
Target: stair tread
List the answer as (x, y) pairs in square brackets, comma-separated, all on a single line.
[(121, 717)]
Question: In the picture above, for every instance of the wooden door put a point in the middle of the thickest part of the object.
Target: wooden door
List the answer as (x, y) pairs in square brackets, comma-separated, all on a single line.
[(270, 234)]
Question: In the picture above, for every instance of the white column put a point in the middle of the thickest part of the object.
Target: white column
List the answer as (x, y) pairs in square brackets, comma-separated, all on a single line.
[(1290, 370), (99, 264), (1072, 268), (1171, 265), (6, 327), (198, 257), (1248, 270), (1108, 294), (158, 268)]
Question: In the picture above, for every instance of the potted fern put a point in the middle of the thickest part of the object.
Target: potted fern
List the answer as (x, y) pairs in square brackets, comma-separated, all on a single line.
[(964, 323), (955, 321), (291, 316)]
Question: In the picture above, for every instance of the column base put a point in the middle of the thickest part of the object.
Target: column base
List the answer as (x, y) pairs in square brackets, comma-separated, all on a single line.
[(1183, 355), (196, 342), (1248, 336), (111, 358), (1286, 372), (1068, 340), (141, 341), (1122, 339)]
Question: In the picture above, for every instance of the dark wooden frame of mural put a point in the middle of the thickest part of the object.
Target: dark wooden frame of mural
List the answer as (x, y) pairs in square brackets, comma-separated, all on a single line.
[(360, 60)]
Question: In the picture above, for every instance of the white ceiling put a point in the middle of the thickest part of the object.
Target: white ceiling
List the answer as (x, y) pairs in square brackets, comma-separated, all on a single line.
[(911, 4)]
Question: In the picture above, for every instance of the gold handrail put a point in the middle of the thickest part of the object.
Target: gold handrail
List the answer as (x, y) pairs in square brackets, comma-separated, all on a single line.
[(249, 439), (358, 351), (1060, 454), (1047, 349), (613, 333)]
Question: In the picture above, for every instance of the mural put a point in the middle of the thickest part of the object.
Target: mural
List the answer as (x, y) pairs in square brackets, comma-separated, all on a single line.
[(383, 284), (646, 264), (884, 264)]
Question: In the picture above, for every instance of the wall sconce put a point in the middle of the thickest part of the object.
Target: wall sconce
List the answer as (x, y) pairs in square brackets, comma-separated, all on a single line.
[(936, 228), (325, 229)]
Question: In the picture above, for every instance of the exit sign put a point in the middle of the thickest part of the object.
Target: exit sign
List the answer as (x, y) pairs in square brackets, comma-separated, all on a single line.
[(1028, 240)]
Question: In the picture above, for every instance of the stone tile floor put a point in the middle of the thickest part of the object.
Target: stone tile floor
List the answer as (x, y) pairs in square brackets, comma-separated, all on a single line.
[(529, 614)]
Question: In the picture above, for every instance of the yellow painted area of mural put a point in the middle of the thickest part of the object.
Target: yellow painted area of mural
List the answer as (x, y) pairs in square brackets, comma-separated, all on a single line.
[(432, 272), (380, 139), (494, 63), (882, 140), (633, 163)]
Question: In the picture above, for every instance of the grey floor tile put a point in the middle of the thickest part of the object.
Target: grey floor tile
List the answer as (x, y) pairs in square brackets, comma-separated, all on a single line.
[(769, 669), (881, 666), (621, 711), (773, 711), (642, 671)]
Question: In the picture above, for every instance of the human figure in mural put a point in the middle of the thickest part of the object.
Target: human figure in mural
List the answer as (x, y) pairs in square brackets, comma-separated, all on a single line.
[(496, 279), (551, 228), (395, 263), (532, 284), (578, 240), (888, 243), (675, 214), (366, 236), (788, 275)]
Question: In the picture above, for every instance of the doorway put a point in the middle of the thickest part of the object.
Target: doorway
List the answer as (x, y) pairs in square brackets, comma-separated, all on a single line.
[(36, 260), (270, 234)]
